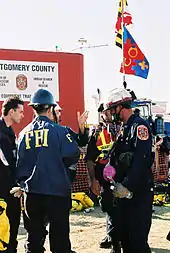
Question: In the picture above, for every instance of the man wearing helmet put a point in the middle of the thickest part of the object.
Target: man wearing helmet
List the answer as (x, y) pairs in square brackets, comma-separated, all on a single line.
[(132, 158), (81, 138), (45, 151), (100, 144)]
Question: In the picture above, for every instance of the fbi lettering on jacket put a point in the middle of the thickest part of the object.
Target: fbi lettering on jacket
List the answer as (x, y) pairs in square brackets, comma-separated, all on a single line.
[(40, 136)]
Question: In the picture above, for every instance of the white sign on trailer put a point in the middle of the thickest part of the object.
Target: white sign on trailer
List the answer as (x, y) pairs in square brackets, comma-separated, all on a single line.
[(22, 78)]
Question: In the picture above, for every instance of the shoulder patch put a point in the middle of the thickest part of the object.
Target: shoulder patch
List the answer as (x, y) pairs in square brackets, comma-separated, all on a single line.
[(142, 133)]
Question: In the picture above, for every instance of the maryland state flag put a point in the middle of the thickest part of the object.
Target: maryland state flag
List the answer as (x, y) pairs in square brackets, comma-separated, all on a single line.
[(123, 17), (135, 62)]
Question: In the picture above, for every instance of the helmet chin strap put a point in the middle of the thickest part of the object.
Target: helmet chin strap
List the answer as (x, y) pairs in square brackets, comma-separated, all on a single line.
[(54, 115), (116, 116)]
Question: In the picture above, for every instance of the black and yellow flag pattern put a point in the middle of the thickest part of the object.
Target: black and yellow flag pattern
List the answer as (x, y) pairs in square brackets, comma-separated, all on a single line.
[(123, 18)]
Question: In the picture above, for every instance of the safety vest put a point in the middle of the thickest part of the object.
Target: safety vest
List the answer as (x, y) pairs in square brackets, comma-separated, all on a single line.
[(104, 140)]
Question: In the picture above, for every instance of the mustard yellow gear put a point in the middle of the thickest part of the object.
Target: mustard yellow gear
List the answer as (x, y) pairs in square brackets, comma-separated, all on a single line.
[(160, 199), (4, 226), (88, 201), (83, 198), (76, 206)]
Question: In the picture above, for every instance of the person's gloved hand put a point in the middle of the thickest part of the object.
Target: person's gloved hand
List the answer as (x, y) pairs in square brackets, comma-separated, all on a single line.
[(120, 191), (16, 191), (109, 173)]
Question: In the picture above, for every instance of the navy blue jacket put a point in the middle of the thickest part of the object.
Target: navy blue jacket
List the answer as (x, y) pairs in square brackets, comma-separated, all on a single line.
[(137, 141), (81, 139), (45, 150)]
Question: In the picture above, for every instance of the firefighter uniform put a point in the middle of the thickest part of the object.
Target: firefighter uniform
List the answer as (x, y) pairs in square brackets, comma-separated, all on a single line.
[(133, 159), (45, 151), (7, 172)]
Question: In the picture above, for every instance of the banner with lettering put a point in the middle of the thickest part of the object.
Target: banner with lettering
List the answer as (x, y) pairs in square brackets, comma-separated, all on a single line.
[(22, 78)]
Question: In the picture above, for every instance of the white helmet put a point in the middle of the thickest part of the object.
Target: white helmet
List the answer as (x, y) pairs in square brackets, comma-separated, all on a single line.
[(118, 96)]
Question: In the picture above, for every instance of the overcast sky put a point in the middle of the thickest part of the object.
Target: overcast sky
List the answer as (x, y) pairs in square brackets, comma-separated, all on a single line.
[(41, 24)]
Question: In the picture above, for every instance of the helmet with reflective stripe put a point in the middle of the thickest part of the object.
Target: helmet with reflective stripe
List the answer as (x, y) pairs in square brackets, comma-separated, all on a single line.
[(118, 96)]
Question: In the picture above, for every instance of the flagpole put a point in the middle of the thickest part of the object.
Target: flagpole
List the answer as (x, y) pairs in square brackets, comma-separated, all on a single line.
[(123, 62)]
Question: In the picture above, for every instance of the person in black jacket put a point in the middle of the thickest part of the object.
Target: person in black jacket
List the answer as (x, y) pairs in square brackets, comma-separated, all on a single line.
[(12, 112)]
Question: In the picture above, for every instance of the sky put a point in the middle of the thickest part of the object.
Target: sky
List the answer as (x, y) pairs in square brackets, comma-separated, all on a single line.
[(41, 24)]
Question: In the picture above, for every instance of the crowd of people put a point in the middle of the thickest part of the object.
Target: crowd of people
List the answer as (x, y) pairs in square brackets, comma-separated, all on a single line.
[(41, 168)]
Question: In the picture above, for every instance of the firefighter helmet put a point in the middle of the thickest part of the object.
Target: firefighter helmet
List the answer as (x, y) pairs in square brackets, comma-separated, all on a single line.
[(118, 96), (42, 97)]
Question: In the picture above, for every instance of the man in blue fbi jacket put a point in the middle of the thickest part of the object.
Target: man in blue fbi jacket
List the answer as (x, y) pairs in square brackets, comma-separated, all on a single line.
[(45, 151), (81, 138), (132, 158)]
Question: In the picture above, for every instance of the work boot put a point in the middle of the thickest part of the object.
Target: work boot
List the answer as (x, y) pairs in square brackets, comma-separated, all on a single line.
[(106, 243), (168, 236), (116, 249)]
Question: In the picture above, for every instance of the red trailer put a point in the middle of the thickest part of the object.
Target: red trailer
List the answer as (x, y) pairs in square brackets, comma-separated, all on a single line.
[(22, 72)]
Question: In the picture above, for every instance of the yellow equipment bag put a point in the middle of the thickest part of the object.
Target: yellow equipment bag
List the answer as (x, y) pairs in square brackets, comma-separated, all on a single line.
[(76, 206), (160, 199), (83, 198), (4, 226)]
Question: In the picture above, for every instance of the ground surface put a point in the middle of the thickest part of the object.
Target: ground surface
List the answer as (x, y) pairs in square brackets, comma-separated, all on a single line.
[(88, 229)]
